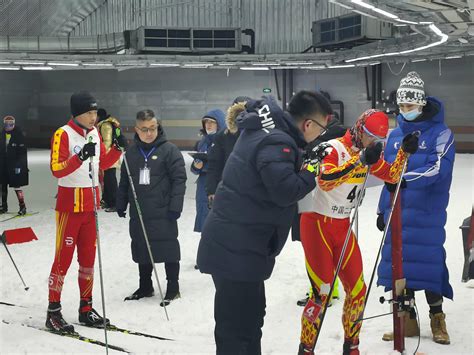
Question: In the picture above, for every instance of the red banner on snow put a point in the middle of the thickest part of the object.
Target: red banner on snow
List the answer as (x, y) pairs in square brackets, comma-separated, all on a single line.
[(19, 235)]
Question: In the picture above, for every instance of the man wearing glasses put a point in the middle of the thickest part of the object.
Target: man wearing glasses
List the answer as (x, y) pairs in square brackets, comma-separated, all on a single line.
[(159, 176), (324, 228), (254, 205)]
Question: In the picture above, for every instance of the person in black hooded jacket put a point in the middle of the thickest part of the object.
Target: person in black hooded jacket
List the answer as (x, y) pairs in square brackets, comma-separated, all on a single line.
[(254, 205), (159, 177), (222, 147), (13, 163)]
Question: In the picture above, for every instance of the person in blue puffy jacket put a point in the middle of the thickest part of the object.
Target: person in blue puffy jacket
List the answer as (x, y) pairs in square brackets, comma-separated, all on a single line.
[(424, 198), (212, 122)]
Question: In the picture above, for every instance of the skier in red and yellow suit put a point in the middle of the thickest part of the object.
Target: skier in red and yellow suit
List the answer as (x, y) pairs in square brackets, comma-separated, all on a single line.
[(72, 146), (323, 230)]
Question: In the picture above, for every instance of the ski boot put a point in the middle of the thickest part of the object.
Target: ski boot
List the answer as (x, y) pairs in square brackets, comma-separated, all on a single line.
[(89, 317), (304, 350), (55, 321), (22, 210), (172, 293), (351, 347), (140, 293), (438, 328)]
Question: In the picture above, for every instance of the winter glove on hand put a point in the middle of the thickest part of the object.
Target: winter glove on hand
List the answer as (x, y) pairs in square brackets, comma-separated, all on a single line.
[(122, 213), (393, 187), (118, 138), (173, 216), (380, 223), (410, 143), (312, 159), (371, 154), (87, 151)]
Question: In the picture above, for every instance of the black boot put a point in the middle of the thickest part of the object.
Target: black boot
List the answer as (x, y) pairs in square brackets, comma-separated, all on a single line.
[(55, 321), (140, 293), (303, 350), (145, 288), (89, 317), (172, 293), (22, 210)]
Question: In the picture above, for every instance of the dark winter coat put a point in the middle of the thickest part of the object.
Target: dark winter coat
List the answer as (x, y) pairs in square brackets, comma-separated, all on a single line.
[(165, 193), (204, 145), (334, 130), (424, 202), (254, 204), (223, 145), (13, 159)]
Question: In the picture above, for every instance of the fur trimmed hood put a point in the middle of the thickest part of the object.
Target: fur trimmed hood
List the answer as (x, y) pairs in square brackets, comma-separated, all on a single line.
[(232, 113)]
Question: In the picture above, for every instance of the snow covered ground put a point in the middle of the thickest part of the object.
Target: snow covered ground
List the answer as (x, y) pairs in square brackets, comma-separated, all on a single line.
[(192, 321)]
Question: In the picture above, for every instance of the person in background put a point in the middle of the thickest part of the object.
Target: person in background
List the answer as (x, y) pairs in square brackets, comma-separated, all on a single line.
[(13, 163), (425, 197), (159, 176), (212, 122), (107, 126), (223, 144)]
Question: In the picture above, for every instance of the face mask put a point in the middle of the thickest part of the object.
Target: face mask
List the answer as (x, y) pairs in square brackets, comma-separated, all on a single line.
[(410, 115), (210, 132), (9, 126)]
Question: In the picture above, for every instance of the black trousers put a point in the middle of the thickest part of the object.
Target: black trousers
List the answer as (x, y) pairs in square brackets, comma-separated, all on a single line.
[(239, 309), (110, 187), (4, 193), (146, 270)]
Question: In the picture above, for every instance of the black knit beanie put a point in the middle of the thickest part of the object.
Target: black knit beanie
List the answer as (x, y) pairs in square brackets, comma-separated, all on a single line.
[(82, 102)]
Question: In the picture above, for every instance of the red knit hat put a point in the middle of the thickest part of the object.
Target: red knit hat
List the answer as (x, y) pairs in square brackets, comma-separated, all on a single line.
[(372, 122)]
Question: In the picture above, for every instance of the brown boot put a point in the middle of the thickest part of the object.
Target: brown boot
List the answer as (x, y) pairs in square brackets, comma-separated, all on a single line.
[(438, 328), (411, 329)]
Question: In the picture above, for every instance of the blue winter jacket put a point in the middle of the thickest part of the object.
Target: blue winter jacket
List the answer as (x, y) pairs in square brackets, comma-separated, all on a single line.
[(424, 202), (255, 202), (204, 145)]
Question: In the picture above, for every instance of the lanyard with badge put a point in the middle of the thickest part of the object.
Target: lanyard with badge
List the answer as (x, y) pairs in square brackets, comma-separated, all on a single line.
[(145, 171)]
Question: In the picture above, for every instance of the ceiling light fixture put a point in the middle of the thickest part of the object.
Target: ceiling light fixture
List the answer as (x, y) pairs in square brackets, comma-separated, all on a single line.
[(37, 68), (254, 68)]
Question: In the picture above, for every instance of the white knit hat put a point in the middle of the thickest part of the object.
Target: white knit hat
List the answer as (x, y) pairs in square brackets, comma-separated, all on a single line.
[(411, 90)]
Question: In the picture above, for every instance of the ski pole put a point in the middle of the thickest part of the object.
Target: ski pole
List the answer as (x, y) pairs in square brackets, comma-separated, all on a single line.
[(385, 232), (140, 217), (341, 258), (94, 195), (14, 264)]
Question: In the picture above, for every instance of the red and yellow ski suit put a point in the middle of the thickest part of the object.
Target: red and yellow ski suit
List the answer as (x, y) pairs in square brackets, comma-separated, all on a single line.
[(323, 232), (75, 222)]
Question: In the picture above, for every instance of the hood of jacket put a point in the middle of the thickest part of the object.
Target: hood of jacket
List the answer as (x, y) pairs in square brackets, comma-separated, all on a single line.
[(216, 115), (265, 114), (114, 121), (232, 113)]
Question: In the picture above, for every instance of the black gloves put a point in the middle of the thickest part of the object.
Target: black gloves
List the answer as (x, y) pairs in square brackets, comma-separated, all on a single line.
[(173, 216), (118, 138), (410, 143), (122, 213), (371, 154), (312, 159), (380, 223), (317, 154), (87, 151), (393, 187)]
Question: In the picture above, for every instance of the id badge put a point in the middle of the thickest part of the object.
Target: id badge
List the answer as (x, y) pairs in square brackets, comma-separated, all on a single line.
[(145, 176)]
